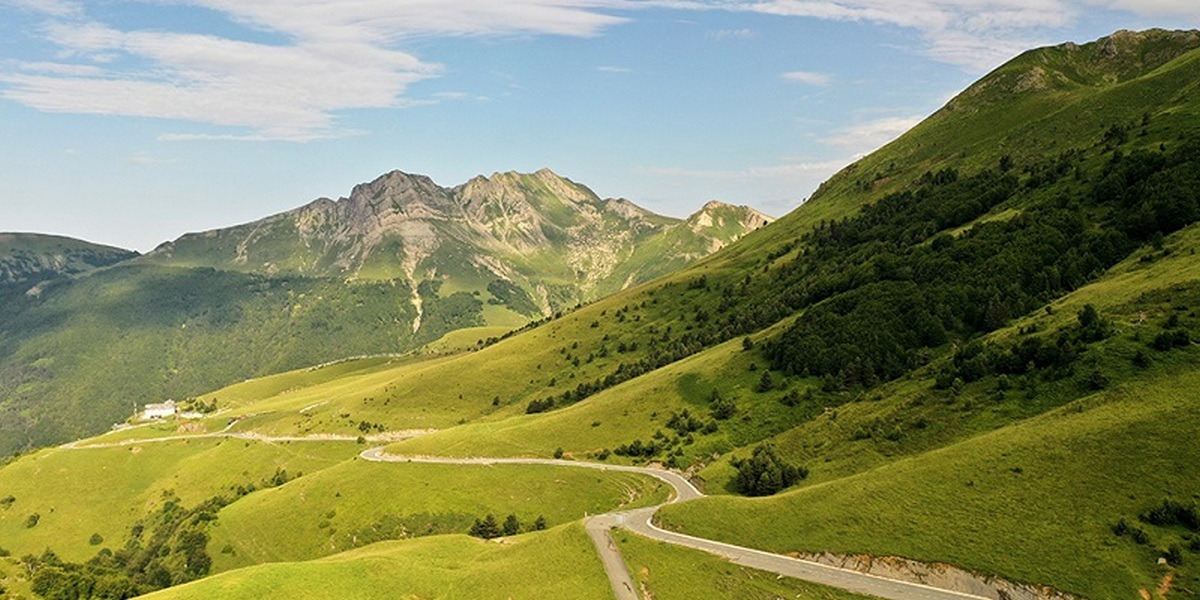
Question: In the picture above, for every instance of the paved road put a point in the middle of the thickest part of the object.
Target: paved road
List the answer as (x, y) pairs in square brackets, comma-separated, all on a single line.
[(389, 436), (639, 521)]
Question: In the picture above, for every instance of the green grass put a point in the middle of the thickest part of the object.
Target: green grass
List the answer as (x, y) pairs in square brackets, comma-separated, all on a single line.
[(359, 502), (667, 572), (558, 563), (106, 490), (14, 579), (1032, 502)]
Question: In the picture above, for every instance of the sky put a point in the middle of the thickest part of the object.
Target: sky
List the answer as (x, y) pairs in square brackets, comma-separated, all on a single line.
[(131, 123)]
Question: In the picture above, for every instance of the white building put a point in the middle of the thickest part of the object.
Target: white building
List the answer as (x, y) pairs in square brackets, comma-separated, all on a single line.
[(160, 411)]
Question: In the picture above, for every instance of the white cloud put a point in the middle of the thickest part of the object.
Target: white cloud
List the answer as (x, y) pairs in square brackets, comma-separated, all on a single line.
[(728, 34), (808, 78), (784, 172), (58, 8), (871, 135), (1154, 8), (147, 159), (611, 69), (975, 34), (340, 56)]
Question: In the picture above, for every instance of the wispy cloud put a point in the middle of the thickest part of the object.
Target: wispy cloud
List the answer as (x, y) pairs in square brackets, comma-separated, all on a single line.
[(974, 34), (1154, 8), (730, 34), (808, 78), (341, 56), (58, 8), (785, 171), (147, 159), (870, 135), (612, 69)]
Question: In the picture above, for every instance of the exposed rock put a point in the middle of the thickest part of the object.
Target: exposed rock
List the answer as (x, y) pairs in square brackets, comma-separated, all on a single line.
[(938, 575), (521, 228)]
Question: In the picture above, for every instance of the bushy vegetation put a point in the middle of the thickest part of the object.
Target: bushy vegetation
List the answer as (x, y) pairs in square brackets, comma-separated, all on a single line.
[(884, 286), (764, 473)]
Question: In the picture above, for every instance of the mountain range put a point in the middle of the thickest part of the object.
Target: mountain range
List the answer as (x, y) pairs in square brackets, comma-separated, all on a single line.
[(399, 263)]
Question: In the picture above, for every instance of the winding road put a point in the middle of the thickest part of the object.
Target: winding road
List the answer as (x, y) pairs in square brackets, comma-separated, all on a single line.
[(639, 521)]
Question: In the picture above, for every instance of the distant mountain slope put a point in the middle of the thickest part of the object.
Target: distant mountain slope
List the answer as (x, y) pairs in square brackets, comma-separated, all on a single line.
[(535, 243), (27, 258), (398, 264)]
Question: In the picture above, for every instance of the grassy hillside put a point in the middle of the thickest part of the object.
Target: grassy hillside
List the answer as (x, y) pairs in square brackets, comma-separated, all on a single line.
[(669, 572), (105, 491), (1052, 487), (357, 503), (559, 563)]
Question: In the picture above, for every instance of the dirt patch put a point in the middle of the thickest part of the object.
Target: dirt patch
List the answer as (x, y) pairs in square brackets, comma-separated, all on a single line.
[(190, 427), (938, 575), (135, 449), (1165, 586)]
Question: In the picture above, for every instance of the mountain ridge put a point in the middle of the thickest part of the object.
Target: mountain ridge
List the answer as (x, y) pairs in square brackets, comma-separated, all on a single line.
[(539, 231)]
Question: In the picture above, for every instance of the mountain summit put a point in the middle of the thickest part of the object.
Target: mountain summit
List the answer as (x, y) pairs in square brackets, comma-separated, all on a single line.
[(548, 240)]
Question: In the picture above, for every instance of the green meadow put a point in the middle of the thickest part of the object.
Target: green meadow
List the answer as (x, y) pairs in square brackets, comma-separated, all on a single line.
[(357, 502), (558, 563)]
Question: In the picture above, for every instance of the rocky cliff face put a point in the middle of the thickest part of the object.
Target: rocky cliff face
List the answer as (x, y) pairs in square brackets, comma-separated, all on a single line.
[(553, 239)]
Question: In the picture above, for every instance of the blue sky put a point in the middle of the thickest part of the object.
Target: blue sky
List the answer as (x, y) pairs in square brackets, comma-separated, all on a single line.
[(133, 122)]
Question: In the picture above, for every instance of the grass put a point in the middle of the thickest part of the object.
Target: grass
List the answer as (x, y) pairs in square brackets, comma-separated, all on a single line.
[(14, 580), (666, 572), (358, 502), (1033, 502), (106, 490), (558, 563)]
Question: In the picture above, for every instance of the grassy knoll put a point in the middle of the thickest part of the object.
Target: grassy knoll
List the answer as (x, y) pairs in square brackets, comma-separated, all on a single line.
[(558, 563), (77, 493), (667, 572), (358, 502), (1034, 502)]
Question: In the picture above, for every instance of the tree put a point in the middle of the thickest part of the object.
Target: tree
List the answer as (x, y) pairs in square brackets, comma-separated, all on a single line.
[(512, 525), (540, 523), (765, 473), (487, 529), (722, 408), (766, 383)]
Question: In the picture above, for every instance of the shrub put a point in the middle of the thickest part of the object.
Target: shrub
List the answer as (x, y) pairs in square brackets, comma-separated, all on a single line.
[(32, 520), (1140, 536), (96, 539), (539, 406), (512, 525), (765, 473), (558, 452), (487, 529), (722, 408), (1174, 555)]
